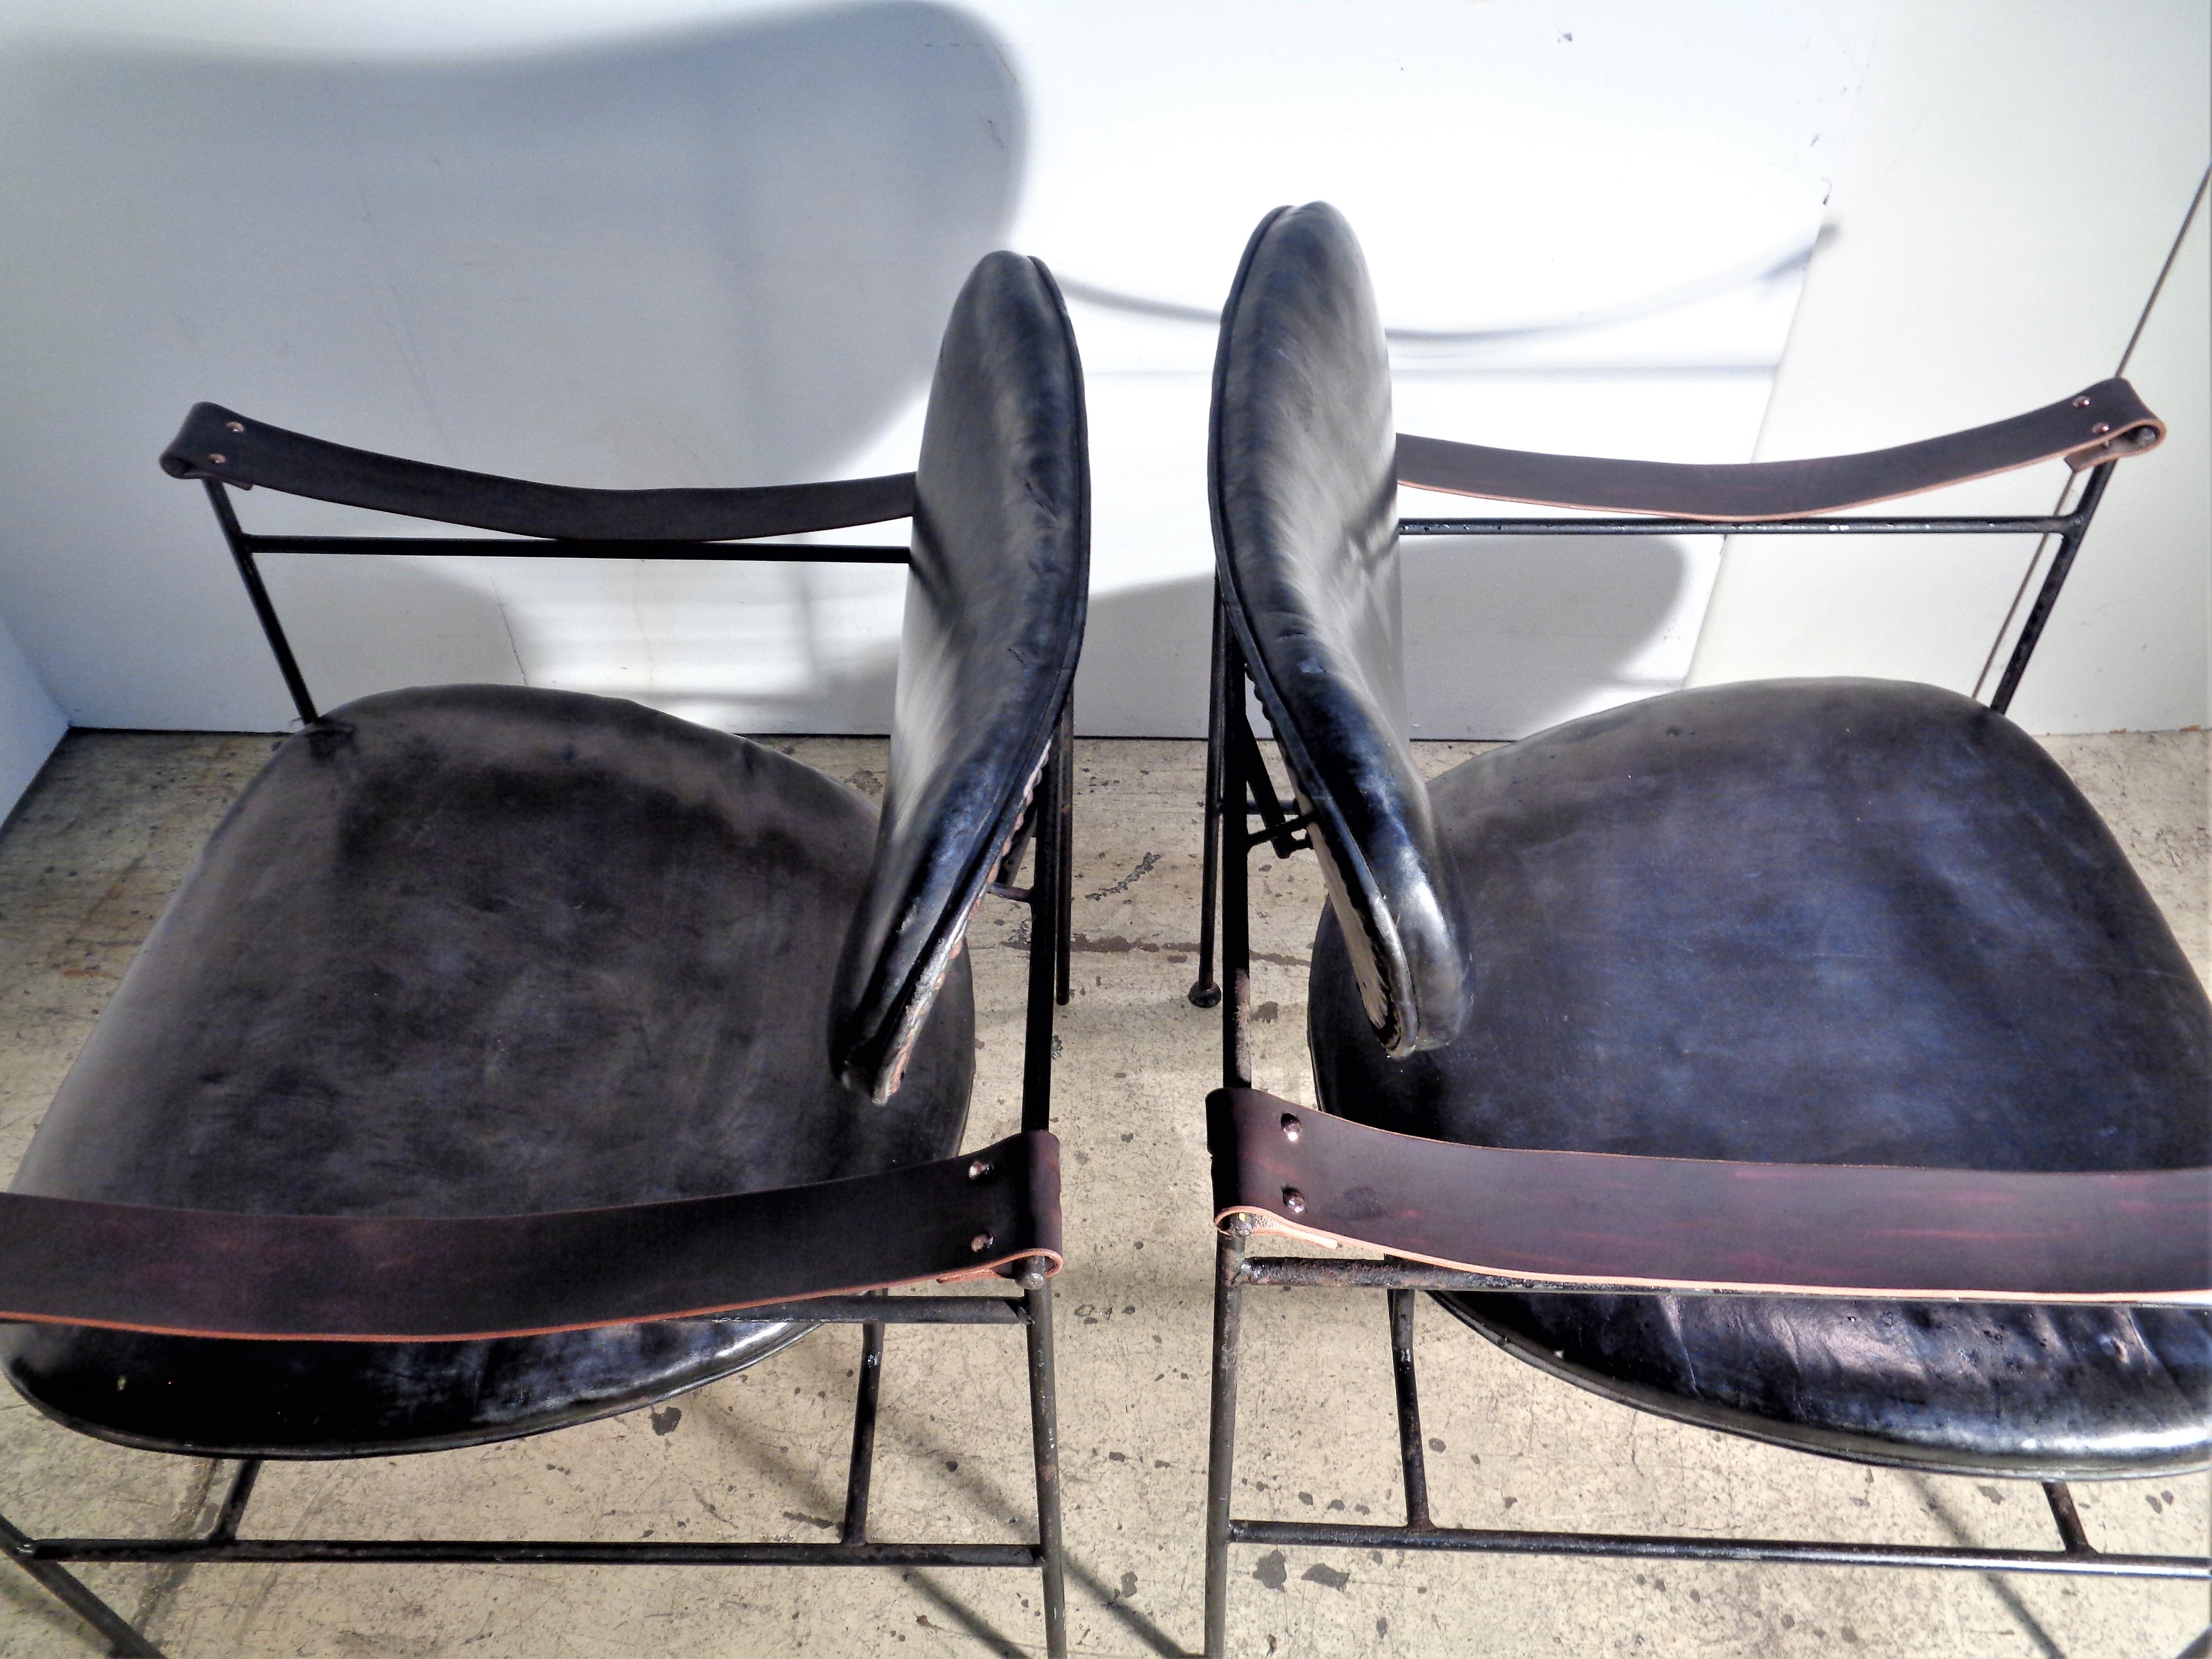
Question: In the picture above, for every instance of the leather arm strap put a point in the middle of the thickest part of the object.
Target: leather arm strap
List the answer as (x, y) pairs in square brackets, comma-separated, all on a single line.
[(1578, 1219), (216, 443), (2103, 423), (435, 1278)]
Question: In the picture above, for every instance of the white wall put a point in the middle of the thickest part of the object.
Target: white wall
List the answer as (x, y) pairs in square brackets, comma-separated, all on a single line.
[(2014, 179), (30, 724), (629, 242)]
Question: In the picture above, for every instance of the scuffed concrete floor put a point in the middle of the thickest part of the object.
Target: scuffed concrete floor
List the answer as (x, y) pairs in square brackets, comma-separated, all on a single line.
[(91, 857)]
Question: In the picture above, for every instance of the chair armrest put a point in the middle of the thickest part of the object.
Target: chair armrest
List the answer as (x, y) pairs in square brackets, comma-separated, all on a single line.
[(2106, 423), (437, 1279), (216, 443), (1580, 1219)]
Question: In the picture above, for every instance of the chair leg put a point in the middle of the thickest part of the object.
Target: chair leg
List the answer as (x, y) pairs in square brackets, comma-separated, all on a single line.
[(67, 1588), (1221, 1450), (1044, 1438), (1410, 1456), (860, 1468)]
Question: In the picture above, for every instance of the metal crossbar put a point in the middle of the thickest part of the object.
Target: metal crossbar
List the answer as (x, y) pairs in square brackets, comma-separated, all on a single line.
[(247, 546), (1032, 1309)]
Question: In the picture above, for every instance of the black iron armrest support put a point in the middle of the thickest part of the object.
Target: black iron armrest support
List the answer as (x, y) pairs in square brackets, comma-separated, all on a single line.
[(2106, 423), (435, 1279), (1583, 1221), (216, 443)]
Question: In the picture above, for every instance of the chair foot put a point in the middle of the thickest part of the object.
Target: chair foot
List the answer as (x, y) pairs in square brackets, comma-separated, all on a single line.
[(1205, 994), (1044, 1436), (122, 1636), (1221, 1451)]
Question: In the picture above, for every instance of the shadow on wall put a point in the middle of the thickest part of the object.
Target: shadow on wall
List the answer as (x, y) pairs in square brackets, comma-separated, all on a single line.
[(716, 257), (1502, 637)]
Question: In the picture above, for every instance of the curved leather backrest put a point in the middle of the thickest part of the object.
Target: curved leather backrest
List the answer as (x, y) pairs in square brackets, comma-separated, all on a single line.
[(1304, 480), (995, 611)]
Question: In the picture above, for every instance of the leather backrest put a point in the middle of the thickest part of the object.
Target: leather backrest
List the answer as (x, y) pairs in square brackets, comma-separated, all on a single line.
[(1303, 478), (995, 611)]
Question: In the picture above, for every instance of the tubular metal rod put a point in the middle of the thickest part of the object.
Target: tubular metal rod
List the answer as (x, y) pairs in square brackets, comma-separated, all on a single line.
[(1236, 884), (517, 547), (234, 1500), (71, 1592), (1395, 1275), (2046, 526), (2070, 544), (526, 1551), (1063, 890), (1044, 1445), (1410, 1455), (272, 629), (1306, 1534), (1221, 1442), (887, 1310), (860, 1470), (1297, 1271), (2071, 1530), (1204, 992), (1049, 878)]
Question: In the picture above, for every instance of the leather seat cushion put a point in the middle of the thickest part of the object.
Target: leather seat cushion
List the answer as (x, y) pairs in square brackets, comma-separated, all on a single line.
[(1815, 921), (476, 950)]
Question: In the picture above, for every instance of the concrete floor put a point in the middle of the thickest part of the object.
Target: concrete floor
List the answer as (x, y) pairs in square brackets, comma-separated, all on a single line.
[(93, 853)]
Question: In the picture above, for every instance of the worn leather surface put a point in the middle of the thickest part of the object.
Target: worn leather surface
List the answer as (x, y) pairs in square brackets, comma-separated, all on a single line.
[(472, 951), (219, 443), (1525, 1218), (2102, 422), (1815, 921), (994, 613), (429, 1278), (1302, 480)]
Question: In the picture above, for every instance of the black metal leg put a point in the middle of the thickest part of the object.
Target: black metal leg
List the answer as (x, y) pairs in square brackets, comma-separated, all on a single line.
[(1205, 993), (68, 1589), (1063, 890), (1410, 1452), (233, 1502), (2071, 1530), (860, 1470), (1236, 903), (1044, 1437), (1049, 909), (1221, 1445)]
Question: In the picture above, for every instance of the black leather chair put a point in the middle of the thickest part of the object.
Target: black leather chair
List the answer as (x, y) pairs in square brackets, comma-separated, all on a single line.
[(513, 1058), (1834, 988)]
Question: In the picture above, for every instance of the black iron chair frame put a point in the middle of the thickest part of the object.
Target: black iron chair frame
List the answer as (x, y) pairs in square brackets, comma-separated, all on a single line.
[(1045, 836), (1238, 788)]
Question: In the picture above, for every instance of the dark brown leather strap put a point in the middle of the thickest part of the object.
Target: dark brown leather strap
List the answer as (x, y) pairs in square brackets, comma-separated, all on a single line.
[(2103, 423), (216, 443), (2133, 1236), (425, 1279)]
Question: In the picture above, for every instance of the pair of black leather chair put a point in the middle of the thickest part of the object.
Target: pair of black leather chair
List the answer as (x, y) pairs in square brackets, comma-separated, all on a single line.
[(514, 1058)]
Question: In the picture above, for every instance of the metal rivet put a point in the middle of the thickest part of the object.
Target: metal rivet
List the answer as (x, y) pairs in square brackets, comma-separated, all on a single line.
[(235, 426), (1294, 1200), (978, 1168), (218, 460), (1290, 1130), (979, 1243), (2101, 429), (2082, 401)]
